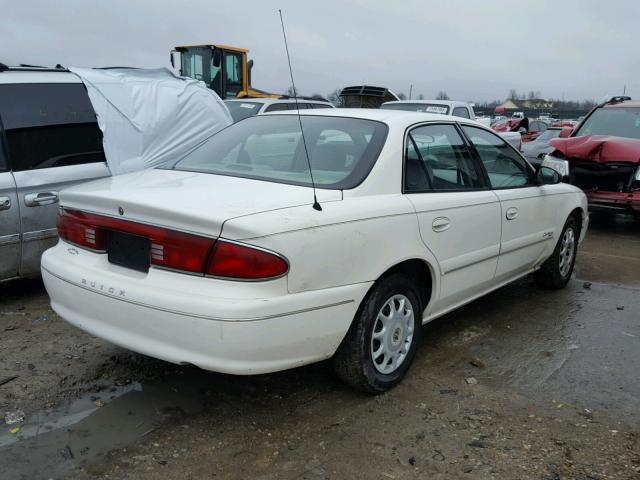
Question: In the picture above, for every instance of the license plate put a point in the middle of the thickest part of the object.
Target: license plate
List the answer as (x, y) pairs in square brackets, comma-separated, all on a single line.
[(130, 251)]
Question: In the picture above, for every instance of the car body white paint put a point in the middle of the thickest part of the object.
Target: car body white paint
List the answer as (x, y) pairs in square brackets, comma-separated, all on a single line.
[(335, 256)]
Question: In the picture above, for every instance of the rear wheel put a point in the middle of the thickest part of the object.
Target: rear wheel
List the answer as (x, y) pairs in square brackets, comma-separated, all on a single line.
[(557, 269), (381, 343)]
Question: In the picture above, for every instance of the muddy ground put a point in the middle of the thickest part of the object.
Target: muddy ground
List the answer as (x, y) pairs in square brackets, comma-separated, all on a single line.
[(557, 395)]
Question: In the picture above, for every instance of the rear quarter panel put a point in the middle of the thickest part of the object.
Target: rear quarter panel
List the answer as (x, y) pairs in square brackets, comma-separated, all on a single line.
[(352, 241)]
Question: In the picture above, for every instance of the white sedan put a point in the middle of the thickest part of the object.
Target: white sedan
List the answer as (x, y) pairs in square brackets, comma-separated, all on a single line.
[(220, 260)]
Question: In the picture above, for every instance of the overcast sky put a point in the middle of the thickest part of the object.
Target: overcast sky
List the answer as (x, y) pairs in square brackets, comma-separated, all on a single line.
[(474, 50)]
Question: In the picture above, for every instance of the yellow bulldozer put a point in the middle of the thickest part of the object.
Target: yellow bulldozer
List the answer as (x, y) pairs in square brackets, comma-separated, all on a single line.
[(223, 68)]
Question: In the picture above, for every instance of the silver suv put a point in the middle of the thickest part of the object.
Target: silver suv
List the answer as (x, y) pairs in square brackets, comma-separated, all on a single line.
[(49, 139)]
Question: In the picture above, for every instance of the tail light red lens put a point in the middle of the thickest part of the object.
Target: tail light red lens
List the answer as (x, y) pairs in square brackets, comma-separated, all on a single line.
[(169, 248), (76, 227), (231, 260), (174, 250)]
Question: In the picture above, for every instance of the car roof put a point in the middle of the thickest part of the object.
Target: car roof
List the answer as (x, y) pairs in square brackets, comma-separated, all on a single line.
[(623, 104), (268, 101), (37, 75), (391, 117), (429, 102)]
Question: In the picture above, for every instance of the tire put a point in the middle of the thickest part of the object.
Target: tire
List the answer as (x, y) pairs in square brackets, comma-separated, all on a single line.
[(355, 361), (556, 271)]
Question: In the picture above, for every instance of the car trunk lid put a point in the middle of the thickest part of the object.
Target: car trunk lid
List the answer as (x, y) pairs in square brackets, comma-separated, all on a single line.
[(186, 201)]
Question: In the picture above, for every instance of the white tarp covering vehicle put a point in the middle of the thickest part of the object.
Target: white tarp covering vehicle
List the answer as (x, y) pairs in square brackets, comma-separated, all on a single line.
[(56, 135), (150, 116)]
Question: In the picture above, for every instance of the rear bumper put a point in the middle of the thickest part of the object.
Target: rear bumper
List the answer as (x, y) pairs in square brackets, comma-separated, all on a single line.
[(614, 202), (185, 319)]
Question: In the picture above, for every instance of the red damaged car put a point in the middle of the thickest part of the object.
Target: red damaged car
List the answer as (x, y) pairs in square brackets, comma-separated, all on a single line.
[(530, 129), (602, 156)]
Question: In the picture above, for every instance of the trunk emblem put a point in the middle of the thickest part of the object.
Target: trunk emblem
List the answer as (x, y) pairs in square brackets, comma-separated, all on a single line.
[(121, 210)]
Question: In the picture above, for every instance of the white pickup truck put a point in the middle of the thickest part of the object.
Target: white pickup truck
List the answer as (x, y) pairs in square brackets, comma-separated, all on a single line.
[(450, 107)]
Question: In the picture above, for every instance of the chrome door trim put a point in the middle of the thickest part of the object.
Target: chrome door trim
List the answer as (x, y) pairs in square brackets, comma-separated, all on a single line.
[(39, 234), (10, 239)]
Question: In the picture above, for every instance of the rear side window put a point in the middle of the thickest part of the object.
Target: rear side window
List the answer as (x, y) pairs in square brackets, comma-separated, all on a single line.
[(437, 159), (49, 125), (320, 105), (277, 107), (461, 112), (241, 110), (505, 167)]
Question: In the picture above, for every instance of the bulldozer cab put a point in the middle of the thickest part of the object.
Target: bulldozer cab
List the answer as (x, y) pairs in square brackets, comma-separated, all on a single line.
[(222, 68)]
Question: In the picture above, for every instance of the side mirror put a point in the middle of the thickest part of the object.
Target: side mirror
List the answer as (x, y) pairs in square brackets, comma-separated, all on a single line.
[(171, 58), (565, 132), (547, 176), (216, 58)]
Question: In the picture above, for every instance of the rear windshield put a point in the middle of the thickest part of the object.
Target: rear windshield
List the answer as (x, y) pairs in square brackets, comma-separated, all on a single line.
[(549, 134), (241, 110), (342, 151), (618, 121), (418, 107)]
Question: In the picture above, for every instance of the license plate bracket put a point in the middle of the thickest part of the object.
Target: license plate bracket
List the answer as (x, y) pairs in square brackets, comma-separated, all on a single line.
[(128, 250)]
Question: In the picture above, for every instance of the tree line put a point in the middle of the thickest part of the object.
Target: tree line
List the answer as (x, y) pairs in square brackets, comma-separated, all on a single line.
[(513, 95)]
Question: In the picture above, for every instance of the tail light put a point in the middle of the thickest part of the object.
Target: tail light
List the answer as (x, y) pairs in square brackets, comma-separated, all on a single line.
[(232, 260), (174, 250)]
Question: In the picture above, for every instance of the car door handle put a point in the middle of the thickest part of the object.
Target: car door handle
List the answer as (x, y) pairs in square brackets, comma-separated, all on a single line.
[(41, 198), (512, 213), (5, 203), (441, 224)]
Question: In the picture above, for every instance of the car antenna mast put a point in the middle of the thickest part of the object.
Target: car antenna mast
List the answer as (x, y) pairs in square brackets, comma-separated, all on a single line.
[(316, 205)]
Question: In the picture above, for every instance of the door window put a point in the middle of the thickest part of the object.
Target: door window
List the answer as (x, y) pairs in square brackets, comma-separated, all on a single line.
[(437, 159), (461, 112), (233, 73), (49, 125), (505, 167)]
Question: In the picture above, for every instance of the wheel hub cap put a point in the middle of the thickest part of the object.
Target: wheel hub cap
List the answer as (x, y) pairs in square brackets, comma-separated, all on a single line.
[(567, 250), (392, 334)]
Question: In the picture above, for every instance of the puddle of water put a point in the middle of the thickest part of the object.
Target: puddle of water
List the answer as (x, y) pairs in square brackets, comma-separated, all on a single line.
[(577, 346), (46, 421), (53, 443)]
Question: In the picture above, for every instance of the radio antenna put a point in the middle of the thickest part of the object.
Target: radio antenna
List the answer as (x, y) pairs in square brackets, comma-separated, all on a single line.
[(316, 205)]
